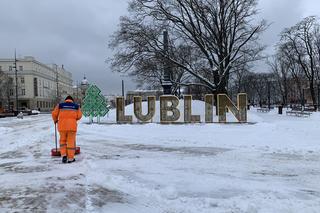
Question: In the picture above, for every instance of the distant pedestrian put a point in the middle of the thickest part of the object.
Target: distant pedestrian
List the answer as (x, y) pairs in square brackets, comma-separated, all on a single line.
[(67, 114), (20, 115)]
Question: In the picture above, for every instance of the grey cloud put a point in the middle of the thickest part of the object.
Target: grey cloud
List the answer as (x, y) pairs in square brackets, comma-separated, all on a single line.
[(76, 32), (280, 14)]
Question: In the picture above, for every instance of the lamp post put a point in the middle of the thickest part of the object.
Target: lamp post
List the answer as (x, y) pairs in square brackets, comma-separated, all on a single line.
[(57, 85), (167, 84), (303, 98), (77, 85), (16, 79), (269, 96), (270, 80), (123, 84), (122, 87), (318, 88)]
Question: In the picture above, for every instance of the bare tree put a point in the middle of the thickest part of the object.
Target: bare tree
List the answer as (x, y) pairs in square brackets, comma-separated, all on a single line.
[(141, 59), (296, 76), (282, 75), (239, 75), (218, 33), (301, 42)]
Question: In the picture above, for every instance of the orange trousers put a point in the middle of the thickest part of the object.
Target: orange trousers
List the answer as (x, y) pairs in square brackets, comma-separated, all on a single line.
[(68, 143)]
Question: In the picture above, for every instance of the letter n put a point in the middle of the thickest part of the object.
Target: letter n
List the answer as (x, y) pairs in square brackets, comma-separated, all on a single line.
[(240, 112), (121, 117), (209, 108)]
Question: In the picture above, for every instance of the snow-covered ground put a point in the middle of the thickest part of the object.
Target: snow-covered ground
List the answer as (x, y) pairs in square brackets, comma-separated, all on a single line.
[(270, 166)]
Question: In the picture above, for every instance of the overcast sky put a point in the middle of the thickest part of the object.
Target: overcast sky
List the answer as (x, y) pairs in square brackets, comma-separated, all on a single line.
[(76, 32)]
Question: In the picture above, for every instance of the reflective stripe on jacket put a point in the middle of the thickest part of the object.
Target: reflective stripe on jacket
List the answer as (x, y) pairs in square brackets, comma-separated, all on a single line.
[(67, 114)]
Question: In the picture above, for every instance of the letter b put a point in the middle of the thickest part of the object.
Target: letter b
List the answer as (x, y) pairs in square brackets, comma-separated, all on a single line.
[(165, 108)]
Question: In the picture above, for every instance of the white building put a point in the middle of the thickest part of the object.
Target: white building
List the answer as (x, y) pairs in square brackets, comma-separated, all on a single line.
[(40, 86)]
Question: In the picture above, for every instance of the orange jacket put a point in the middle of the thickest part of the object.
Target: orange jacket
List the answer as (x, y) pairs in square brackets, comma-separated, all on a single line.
[(67, 114)]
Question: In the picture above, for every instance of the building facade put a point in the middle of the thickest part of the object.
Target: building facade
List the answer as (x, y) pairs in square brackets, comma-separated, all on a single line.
[(40, 86)]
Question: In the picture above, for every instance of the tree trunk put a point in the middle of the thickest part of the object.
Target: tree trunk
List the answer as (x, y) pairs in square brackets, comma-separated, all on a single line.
[(285, 102), (313, 93), (220, 90)]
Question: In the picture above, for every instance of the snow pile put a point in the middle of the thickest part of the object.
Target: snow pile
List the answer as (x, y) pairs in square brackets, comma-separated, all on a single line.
[(269, 166), (35, 112)]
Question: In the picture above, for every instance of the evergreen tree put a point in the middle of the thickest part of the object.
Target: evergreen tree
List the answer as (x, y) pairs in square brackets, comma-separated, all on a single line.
[(94, 104)]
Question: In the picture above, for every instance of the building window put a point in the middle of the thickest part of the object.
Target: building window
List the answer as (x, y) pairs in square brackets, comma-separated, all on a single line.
[(20, 68), (45, 84), (35, 87), (11, 92), (23, 92), (22, 80), (11, 105), (10, 68)]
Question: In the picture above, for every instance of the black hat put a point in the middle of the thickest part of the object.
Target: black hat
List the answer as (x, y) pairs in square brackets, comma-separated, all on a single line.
[(69, 98)]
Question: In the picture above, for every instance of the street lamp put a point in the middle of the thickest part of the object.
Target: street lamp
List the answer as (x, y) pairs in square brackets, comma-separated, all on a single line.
[(122, 87), (269, 104), (57, 85), (269, 81), (167, 84), (318, 87), (122, 84), (16, 79), (303, 98), (77, 86), (318, 91)]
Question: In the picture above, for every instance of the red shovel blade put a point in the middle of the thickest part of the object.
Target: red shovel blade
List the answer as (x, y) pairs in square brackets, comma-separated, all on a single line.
[(56, 152), (77, 150)]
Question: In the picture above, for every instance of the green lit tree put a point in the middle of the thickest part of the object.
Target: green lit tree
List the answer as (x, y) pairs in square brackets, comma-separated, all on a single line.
[(94, 104)]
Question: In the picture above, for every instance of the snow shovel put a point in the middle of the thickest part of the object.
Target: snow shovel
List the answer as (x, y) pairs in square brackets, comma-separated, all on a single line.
[(55, 152)]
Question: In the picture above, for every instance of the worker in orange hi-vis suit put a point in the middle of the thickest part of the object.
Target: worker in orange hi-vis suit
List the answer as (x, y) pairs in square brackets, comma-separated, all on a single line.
[(67, 114)]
